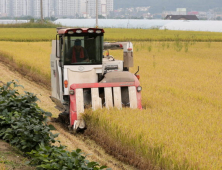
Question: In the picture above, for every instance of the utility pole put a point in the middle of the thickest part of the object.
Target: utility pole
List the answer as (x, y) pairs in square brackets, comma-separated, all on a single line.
[(41, 11), (86, 9), (106, 10), (96, 13), (48, 10)]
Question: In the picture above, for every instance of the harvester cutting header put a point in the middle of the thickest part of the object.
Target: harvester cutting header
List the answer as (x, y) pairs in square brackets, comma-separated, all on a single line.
[(82, 76)]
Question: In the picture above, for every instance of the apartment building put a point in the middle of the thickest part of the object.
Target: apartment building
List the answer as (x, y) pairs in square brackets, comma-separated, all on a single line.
[(109, 6), (3, 8), (89, 8), (57, 8), (16, 8)]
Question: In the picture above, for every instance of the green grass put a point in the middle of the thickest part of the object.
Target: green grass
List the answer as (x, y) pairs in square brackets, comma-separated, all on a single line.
[(46, 24)]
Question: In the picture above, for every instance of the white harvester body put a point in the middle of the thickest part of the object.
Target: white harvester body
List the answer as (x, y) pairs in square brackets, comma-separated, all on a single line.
[(92, 80)]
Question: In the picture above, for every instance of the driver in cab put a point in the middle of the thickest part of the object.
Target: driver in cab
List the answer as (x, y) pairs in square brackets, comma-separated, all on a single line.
[(77, 53)]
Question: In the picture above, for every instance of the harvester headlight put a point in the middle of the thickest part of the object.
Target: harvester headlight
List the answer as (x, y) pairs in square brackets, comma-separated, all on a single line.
[(71, 92), (139, 88), (98, 31), (70, 32), (78, 31), (90, 31)]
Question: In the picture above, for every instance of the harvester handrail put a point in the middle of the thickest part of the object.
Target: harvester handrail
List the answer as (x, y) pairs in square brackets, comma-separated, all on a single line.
[(98, 85)]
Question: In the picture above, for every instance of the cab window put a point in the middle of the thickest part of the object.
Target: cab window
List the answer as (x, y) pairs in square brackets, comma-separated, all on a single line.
[(83, 50)]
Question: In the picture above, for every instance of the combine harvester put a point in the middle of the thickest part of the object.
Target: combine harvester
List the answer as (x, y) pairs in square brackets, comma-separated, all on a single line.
[(82, 77)]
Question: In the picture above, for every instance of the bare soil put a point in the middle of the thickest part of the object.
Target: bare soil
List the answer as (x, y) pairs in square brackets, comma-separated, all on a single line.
[(11, 158)]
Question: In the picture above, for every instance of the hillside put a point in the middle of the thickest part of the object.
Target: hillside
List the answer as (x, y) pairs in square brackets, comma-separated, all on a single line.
[(160, 5)]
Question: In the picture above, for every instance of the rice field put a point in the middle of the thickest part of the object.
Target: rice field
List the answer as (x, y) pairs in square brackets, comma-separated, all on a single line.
[(111, 34), (180, 125), (159, 35), (34, 56), (27, 34)]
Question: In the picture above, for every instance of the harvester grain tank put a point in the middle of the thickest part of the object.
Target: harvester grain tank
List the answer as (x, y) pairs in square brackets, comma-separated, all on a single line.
[(83, 74)]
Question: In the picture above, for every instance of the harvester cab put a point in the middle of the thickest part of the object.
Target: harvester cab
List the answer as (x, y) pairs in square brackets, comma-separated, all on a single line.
[(82, 77)]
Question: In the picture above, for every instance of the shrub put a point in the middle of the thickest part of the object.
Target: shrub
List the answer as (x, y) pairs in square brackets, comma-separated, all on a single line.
[(58, 158), (24, 124)]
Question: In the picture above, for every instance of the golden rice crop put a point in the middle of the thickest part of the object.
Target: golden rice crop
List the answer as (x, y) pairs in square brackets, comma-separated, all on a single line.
[(180, 125), (27, 34), (111, 34), (116, 34), (35, 56)]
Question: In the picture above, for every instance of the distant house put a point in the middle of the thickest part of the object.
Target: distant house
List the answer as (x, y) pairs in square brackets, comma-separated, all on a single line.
[(181, 17)]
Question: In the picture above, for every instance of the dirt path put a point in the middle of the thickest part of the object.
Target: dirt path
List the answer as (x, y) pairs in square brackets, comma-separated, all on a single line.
[(10, 158), (89, 147)]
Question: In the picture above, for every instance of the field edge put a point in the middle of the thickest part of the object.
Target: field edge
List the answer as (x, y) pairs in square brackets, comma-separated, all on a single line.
[(25, 71)]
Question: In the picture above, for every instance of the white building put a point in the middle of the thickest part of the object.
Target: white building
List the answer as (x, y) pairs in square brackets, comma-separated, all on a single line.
[(104, 7), (3, 7), (109, 6), (15, 8), (57, 8)]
